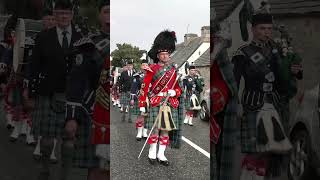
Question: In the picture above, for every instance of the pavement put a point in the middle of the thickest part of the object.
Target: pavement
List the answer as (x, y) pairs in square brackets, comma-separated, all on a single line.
[(185, 163)]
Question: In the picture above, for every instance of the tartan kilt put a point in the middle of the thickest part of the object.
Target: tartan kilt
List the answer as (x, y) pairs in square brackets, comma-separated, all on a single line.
[(125, 98), (248, 132), (84, 156), (45, 121), (135, 110), (177, 114)]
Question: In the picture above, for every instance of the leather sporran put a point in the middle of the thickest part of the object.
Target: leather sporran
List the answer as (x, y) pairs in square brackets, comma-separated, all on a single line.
[(194, 103)]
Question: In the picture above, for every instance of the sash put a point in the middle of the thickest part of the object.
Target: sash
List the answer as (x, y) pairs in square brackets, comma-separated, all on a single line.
[(163, 81)]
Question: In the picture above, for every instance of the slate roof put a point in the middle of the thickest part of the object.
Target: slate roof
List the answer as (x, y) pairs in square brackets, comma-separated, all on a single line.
[(278, 7), (183, 52), (203, 60), (223, 7), (291, 7)]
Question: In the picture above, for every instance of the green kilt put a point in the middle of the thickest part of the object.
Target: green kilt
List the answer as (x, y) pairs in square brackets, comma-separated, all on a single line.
[(135, 110), (125, 98), (45, 121), (84, 156), (248, 132)]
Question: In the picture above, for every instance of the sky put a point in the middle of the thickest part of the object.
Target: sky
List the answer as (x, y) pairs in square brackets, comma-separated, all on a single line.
[(138, 22)]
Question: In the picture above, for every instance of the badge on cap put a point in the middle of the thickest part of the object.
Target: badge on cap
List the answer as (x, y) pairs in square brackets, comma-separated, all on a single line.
[(79, 59)]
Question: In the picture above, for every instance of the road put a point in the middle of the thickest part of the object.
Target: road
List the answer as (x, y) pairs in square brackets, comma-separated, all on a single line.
[(185, 163), (17, 162)]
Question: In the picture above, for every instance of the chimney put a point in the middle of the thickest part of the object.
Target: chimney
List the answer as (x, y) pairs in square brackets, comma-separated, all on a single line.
[(189, 37), (205, 34)]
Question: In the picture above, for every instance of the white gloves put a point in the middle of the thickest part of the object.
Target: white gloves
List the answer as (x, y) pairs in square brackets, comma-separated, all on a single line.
[(143, 109), (171, 92)]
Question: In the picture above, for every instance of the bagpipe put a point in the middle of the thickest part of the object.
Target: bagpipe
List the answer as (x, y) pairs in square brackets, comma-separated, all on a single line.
[(25, 34)]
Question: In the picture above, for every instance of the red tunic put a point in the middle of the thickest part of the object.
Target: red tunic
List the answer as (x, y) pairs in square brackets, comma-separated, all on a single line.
[(164, 83), (101, 114)]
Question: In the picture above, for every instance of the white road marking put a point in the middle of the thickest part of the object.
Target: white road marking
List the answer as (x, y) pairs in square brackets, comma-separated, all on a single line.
[(196, 146)]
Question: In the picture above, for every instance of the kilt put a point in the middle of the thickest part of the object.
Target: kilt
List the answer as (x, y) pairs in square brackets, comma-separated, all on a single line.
[(45, 121), (187, 101), (84, 156), (177, 114), (125, 98), (135, 110), (248, 132)]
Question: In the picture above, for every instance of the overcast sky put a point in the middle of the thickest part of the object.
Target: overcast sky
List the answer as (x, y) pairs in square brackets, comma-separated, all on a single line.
[(138, 22)]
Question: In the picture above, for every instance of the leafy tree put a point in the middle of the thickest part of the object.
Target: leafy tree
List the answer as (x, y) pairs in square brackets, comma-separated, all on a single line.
[(126, 52)]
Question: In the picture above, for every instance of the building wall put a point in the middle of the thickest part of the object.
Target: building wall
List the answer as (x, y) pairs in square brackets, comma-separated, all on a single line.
[(202, 48), (205, 73), (305, 32)]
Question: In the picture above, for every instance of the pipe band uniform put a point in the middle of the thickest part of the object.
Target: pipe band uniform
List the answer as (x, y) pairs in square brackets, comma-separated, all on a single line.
[(262, 131), (193, 86), (163, 96)]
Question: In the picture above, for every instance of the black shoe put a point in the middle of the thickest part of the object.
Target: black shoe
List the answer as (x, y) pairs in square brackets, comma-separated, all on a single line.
[(165, 163), (44, 175), (190, 124), (53, 161), (152, 161), (13, 139), (9, 127), (138, 139), (36, 157)]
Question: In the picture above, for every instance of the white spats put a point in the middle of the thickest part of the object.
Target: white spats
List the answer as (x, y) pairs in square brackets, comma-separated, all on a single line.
[(145, 133), (53, 152), (139, 135), (36, 151), (17, 129), (190, 121), (153, 151), (186, 119), (161, 155)]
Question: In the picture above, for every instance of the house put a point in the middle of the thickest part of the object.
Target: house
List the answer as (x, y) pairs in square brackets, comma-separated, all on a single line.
[(192, 48), (203, 65)]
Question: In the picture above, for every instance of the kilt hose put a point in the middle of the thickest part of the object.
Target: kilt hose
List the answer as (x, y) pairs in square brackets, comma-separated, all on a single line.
[(45, 121), (125, 98), (84, 156)]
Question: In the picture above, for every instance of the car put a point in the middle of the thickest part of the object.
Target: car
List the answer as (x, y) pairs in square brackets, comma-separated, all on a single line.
[(304, 135), (204, 112)]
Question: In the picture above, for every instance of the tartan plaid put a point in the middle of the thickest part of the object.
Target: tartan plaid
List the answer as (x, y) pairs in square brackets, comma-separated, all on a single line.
[(125, 98), (175, 136), (46, 122), (135, 110), (84, 156), (248, 132), (231, 124)]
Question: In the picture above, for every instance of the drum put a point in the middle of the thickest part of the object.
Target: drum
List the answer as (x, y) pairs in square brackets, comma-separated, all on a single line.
[(25, 35)]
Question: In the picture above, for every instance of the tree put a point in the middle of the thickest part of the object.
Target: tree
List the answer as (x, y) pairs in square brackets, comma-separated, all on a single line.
[(125, 52)]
